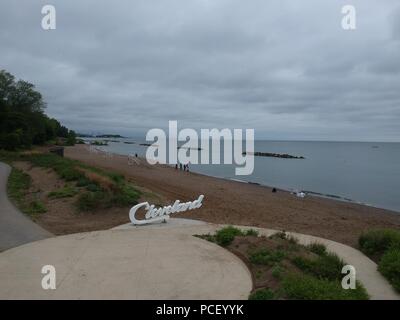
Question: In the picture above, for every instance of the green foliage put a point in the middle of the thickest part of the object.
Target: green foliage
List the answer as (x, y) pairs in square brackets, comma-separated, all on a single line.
[(22, 118), (377, 242), (328, 266), (35, 207), (305, 287), (90, 200), (18, 183), (278, 271), (389, 266), (66, 192), (225, 236), (93, 187), (266, 257), (83, 182), (317, 248), (65, 168), (251, 233), (262, 294), (126, 195)]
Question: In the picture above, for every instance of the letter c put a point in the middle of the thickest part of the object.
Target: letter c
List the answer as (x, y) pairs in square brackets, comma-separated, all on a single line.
[(133, 210)]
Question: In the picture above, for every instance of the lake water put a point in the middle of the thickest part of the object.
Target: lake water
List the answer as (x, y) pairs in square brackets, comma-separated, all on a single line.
[(364, 172)]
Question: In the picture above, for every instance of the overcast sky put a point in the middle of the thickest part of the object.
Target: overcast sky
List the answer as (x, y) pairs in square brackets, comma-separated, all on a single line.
[(283, 67)]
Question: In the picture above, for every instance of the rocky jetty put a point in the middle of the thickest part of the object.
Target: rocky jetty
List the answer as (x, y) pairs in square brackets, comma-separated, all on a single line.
[(274, 155)]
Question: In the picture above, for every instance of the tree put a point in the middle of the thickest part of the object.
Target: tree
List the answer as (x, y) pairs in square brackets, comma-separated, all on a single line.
[(22, 118)]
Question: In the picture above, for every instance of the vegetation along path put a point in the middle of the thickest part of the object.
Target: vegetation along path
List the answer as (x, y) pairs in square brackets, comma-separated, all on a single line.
[(15, 228)]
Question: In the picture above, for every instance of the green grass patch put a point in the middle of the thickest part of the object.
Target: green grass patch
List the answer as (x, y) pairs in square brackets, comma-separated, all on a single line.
[(35, 207), (389, 266), (225, 236), (284, 269), (120, 194), (383, 246), (317, 248), (328, 266), (264, 256), (251, 233), (305, 287), (17, 185), (262, 294), (66, 192), (376, 242)]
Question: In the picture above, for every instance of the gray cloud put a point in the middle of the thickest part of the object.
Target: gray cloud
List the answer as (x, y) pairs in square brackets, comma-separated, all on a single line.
[(283, 67)]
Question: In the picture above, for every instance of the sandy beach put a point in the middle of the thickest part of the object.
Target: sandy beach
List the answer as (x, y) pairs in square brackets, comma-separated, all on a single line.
[(232, 202)]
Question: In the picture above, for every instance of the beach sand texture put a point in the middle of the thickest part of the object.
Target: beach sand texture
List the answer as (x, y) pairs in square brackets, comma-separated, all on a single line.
[(232, 202)]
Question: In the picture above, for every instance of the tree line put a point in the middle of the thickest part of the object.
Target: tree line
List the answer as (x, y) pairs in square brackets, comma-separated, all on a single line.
[(23, 122)]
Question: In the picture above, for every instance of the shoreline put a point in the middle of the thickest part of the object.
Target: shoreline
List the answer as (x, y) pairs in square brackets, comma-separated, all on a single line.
[(309, 193), (233, 202)]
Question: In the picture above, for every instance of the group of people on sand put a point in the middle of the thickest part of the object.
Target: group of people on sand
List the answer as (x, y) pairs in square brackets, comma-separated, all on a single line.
[(184, 167)]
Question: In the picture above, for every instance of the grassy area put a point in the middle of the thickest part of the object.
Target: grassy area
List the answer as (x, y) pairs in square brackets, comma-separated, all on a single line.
[(284, 269), (17, 187), (102, 189), (97, 188), (383, 246), (65, 192)]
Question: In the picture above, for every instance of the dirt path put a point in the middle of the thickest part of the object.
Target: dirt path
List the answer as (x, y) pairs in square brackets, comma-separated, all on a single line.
[(231, 202)]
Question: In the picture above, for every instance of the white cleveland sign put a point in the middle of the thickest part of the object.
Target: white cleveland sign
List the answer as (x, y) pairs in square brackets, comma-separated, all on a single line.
[(154, 214)]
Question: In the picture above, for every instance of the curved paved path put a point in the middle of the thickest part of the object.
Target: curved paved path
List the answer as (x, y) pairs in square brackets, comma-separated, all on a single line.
[(160, 261), (121, 264), (15, 227)]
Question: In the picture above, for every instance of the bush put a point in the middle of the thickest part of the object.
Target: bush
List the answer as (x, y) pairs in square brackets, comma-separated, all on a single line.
[(126, 196), (389, 266), (304, 287), (328, 266), (36, 207), (90, 200), (251, 233), (266, 257), (317, 248), (83, 182), (376, 242), (277, 272), (225, 236), (262, 294), (93, 187)]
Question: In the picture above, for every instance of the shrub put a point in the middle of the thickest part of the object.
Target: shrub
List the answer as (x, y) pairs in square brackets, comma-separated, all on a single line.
[(82, 182), (389, 266), (93, 187), (127, 195), (90, 200), (251, 233), (266, 257), (304, 287), (225, 236), (317, 248), (262, 294), (278, 271), (36, 207), (376, 242), (328, 266)]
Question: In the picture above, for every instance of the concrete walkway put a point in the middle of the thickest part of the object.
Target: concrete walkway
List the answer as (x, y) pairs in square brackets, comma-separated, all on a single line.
[(150, 263), (15, 227), (160, 261)]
